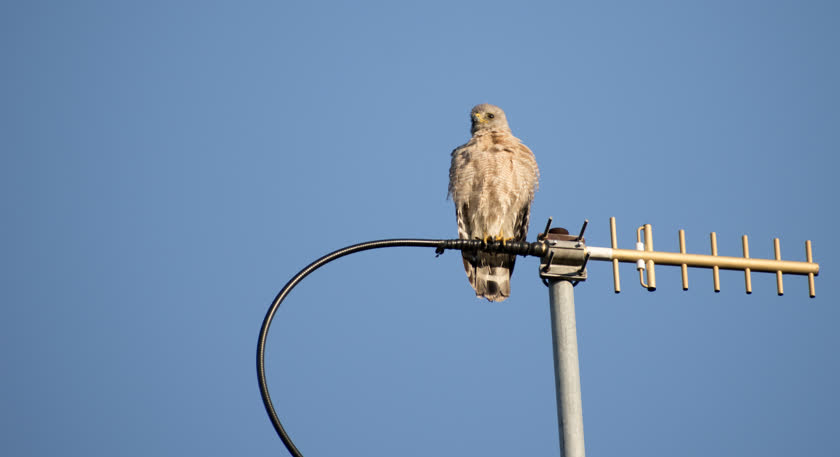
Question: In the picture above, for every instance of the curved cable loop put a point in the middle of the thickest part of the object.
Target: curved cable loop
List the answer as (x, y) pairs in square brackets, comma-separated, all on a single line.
[(522, 248)]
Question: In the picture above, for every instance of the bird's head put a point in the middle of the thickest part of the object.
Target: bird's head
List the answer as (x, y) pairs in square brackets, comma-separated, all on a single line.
[(488, 117)]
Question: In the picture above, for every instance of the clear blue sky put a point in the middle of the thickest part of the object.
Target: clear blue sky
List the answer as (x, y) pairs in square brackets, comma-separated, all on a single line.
[(167, 166)]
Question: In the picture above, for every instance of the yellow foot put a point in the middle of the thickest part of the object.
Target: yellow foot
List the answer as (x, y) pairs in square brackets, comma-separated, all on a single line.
[(498, 238), (501, 237)]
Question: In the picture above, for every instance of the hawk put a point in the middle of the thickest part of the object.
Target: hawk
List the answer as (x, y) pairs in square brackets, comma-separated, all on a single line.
[(492, 181)]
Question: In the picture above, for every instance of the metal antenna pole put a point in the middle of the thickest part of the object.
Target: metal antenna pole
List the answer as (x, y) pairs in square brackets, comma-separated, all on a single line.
[(563, 266), (561, 294)]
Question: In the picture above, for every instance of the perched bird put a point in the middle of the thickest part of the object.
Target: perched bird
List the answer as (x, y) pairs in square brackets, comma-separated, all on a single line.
[(492, 181)]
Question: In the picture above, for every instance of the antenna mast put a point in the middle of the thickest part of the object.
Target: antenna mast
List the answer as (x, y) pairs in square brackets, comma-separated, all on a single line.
[(564, 265)]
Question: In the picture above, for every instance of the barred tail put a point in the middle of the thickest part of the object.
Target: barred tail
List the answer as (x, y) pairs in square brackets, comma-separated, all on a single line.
[(489, 274)]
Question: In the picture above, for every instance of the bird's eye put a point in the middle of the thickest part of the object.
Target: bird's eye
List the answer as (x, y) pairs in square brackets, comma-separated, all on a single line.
[(491, 115)]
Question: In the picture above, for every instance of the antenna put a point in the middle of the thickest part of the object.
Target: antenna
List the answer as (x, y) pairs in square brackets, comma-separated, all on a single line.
[(563, 265), (646, 258)]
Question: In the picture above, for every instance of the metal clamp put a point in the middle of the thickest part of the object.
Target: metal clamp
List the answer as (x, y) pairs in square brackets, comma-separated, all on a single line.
[(566, 257)]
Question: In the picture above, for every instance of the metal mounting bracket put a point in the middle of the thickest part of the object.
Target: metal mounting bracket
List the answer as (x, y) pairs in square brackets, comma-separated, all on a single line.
[(566, 257)]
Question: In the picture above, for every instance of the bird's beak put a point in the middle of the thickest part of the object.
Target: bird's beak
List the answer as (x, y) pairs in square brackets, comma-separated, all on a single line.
[(479, 118)]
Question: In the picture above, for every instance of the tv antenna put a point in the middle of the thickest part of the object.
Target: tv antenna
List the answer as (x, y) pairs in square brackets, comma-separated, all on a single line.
[(563, 265)]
